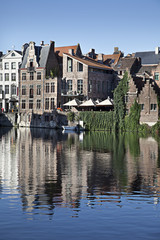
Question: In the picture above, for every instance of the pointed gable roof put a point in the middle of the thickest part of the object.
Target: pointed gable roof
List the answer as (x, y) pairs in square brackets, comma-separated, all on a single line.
[(41, 53)]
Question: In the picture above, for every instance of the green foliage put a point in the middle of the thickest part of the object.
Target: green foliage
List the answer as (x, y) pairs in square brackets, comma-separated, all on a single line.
[(54, 72), (156, 129), (97, 120), (132, 121), (119, 103), (71, 116)]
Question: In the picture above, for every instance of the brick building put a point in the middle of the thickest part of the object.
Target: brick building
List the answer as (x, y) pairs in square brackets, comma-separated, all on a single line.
[(39, 85), (150, 64), (145, 91), (85, 78)]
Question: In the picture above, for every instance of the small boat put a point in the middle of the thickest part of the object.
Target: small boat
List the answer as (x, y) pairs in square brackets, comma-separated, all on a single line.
[(69, 128), (76, 128)]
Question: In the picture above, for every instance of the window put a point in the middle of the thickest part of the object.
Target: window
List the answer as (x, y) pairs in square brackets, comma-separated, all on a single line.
[(13, 54), (13, 76), (103, 87), (23, 76), (142, 107), (98, 86), (80, 86), (90, 86), (31, 91), (38, 89), (1, 77), (38, 75), (23, 90), (6, 89), (153, 107), (126, 98), (6, 76), (0, 89), (52, 103), (13, 65), (69, 64), (52, 87), (69, 84), (47, 87), (38, 103), (80, 67), (156, 75), (30, 104), (6, 65), (23, 104), (13, 90), (46, 103), (31, 75)]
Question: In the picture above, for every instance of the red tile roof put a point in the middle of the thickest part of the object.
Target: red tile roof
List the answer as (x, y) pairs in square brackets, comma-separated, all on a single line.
[(107, 58), (91, 63), (61, 50)]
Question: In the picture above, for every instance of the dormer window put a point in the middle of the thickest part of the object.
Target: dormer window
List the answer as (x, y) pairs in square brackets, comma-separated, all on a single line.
[(80, 67), (69, 64), (31, 62)]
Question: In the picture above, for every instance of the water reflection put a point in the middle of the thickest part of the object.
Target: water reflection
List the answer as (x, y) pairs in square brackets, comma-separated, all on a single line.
[(50, 169)]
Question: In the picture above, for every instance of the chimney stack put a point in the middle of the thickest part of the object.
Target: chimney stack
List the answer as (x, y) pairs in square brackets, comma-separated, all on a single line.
[(157, 50), (100, 57), (42, 43), (71, 51)]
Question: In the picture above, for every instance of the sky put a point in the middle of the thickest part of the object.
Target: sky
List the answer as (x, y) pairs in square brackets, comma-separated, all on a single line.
[(100, 24)]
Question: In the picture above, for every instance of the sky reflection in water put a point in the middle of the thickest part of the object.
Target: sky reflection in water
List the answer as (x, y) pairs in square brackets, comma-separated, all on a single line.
[(78, 186)]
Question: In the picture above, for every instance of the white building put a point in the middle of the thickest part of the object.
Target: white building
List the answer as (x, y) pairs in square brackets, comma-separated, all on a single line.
[(9, 79)]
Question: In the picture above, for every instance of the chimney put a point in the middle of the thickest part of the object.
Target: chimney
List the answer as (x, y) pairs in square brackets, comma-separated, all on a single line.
[(116, 50), (71, 51), (100, 57), (92, 53), (42, 43), (157, 50)]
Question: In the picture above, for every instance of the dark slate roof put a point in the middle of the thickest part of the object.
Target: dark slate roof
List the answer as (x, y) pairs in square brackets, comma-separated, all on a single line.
[(147, 69), (148, 57), (125, 63), (41, 55)]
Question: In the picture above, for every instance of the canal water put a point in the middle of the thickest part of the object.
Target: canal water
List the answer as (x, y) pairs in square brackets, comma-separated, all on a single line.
[(56, 185)]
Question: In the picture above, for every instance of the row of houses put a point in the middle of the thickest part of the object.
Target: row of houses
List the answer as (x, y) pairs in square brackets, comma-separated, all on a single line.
[(39, 79)]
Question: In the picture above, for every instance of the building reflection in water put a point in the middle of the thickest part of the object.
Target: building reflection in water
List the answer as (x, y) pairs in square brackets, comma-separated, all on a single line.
[(50, 169)]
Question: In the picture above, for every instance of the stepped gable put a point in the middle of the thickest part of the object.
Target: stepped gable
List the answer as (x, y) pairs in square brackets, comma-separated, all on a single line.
[(139, 83)]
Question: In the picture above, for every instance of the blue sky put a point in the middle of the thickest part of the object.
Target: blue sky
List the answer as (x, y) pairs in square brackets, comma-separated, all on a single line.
[(101, 24)]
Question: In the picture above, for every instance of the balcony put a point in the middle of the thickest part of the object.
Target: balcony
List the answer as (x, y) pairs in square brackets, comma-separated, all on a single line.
[(71, 93), (30, 69)]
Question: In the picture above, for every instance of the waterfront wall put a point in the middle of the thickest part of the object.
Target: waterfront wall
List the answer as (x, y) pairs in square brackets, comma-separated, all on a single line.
[(8, 119)]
